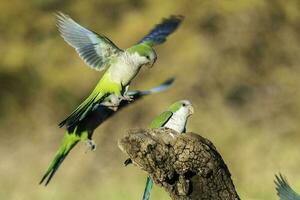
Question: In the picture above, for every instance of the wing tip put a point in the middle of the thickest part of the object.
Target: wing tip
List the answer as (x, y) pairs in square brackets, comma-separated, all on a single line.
[(280, 179), (61, 15), (175, 18), (169, 81)]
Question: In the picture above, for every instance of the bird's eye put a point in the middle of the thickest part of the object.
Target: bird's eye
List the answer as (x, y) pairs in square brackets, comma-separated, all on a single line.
[(148, 57), (184, 104)]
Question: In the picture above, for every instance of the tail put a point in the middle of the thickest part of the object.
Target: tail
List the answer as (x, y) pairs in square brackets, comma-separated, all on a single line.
[(69, 141), (148, 187), (284, 190)]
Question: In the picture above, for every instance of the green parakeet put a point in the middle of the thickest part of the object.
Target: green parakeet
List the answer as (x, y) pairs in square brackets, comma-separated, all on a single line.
[(284, 190), (98, 52), (84, 130), (175, 118)]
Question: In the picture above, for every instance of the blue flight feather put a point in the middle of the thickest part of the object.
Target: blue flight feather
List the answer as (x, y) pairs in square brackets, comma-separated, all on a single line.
[(284, 190), (160, 88), (161, 31)]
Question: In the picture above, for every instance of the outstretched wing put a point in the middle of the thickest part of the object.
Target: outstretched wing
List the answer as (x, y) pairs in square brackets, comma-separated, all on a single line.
[(95, 49), (161, 31), (284, 191), (160, 88)]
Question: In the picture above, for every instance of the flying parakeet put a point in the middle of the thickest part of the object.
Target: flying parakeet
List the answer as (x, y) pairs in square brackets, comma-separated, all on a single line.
[(84, 130), (284, 190), (100, 53), (175, 118)]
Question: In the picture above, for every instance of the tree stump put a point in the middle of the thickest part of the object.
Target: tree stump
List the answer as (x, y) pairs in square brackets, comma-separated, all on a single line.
[(187, 165)]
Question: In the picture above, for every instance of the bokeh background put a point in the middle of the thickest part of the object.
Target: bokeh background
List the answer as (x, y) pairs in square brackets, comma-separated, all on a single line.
[(237, 61)]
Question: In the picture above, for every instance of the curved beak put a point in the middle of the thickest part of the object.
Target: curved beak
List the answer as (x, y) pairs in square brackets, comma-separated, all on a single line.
[(153, 61), (191, 110), (150, 65)]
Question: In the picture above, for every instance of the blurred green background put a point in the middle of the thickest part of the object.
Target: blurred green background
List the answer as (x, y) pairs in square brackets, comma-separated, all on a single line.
[(237, 61)]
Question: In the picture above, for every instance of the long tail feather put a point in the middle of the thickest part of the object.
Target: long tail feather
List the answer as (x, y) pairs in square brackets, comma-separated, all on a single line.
[(148, 188), (70, 140)]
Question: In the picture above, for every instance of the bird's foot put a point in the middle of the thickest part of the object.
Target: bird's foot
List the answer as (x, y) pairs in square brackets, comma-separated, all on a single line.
[(127, 162), (112, 101), (127, 98), (91, 145)]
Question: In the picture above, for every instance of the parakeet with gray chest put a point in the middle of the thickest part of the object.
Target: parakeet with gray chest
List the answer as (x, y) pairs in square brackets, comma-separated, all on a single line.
[(100, 53), (175, 118)]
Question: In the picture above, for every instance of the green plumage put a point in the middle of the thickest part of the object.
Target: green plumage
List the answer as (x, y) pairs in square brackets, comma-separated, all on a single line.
[(84, 130), (161, 120), (100, 53), (69, 141), (104, 88), (158, 122)]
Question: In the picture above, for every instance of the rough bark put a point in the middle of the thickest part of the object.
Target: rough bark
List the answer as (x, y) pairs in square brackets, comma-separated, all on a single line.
[(187, 165)]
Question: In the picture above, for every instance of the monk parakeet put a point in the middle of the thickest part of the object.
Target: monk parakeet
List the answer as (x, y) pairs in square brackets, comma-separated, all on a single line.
[(98, 52), (84, 130), (175, 118), (284, 190)]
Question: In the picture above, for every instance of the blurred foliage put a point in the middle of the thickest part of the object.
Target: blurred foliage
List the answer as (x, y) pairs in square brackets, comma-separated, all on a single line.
[(236, 60)]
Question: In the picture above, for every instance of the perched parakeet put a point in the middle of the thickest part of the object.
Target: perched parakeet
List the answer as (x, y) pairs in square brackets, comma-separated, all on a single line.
[(84, 130), (175, 118), (100, 53), (284, 190)]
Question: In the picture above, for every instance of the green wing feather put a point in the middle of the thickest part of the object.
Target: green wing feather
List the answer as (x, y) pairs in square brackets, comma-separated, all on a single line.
[(161, 120), (83, 109), (95, 49)]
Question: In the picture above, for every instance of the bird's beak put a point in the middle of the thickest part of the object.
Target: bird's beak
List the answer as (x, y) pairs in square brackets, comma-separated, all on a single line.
[(191, 110), (152, 63)]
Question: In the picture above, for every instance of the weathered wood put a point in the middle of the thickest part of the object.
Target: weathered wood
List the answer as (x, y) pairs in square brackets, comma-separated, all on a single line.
[(187, 165)]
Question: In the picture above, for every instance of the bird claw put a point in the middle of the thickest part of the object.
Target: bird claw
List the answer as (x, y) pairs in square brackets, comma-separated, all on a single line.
[(127, 162), (91, 145), (112, 102), (114, 108), (127, 98)]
